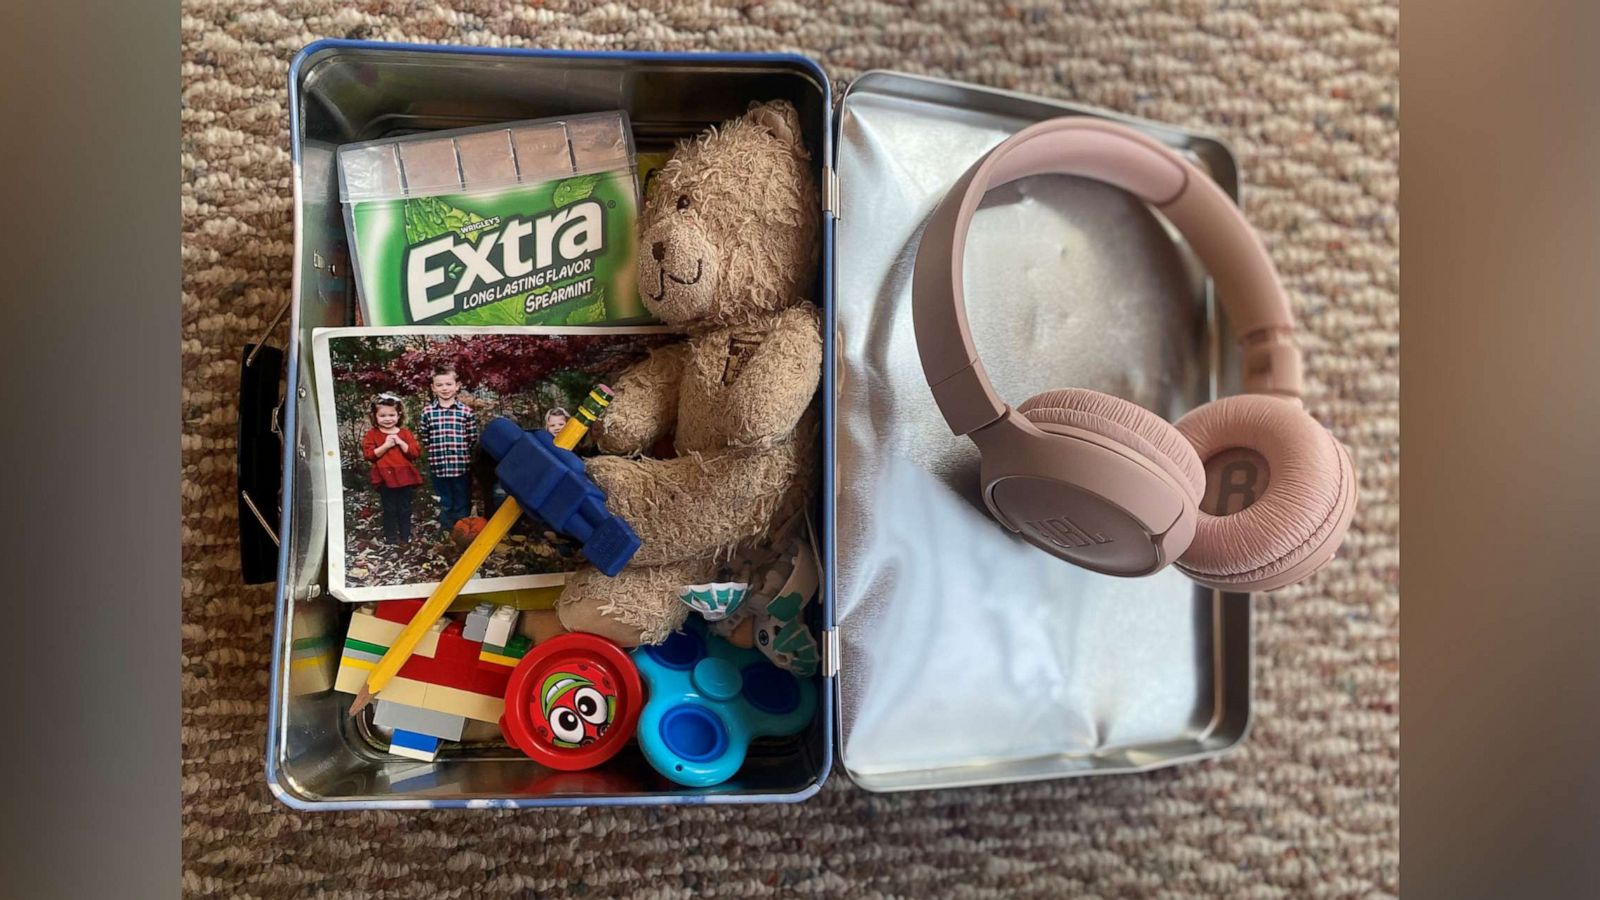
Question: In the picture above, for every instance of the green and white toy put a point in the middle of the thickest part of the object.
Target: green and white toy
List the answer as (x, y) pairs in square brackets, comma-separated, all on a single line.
[(778, 608), (714, 601)]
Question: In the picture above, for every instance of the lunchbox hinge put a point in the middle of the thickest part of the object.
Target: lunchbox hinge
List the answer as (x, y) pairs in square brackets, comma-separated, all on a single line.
[(830, 191), (830, 653)]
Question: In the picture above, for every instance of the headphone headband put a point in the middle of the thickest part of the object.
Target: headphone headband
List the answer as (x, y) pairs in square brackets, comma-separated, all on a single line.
[(1246, 281)]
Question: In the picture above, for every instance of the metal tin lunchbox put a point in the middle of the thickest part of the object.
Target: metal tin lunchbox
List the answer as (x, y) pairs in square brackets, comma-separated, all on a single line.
[(952, 655)]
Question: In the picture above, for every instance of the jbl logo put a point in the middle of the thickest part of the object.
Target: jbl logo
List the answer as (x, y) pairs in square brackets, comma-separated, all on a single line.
[(1061, 532)]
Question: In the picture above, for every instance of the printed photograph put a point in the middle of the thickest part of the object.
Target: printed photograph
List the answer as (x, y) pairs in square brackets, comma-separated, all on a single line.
[(410, 487)]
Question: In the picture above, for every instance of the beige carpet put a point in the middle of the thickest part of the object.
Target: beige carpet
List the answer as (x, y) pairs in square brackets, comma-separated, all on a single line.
[(1305, 92)]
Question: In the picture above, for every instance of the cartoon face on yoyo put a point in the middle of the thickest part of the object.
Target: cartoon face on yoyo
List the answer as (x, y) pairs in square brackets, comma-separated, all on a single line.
[(572, 702), (574, 709)]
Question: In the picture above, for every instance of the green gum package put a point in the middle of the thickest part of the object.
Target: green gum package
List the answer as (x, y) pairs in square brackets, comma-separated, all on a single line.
[(525, 223)]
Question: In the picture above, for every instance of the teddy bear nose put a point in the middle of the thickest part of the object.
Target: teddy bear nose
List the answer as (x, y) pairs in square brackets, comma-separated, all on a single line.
[(658, 250)]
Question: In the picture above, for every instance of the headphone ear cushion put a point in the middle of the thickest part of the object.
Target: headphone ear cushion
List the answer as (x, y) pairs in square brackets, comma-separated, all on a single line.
[(1287, 527), (1129, 424)]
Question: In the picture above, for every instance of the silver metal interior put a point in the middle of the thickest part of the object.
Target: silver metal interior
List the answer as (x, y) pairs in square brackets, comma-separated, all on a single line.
[(966, 655), (345, 93)]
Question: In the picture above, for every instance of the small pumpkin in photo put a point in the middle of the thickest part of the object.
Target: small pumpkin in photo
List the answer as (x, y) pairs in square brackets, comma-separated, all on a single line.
[(466, 530)]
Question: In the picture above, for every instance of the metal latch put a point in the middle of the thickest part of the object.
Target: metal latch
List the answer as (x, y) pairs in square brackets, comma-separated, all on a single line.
[(830, 653), (830, 191)]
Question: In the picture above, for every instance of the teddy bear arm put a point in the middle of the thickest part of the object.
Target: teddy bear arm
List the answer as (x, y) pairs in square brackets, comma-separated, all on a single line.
[(645, 408), (766, 401)]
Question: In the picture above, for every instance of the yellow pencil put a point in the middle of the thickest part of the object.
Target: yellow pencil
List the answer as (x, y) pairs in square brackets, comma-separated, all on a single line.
[(468, 564)]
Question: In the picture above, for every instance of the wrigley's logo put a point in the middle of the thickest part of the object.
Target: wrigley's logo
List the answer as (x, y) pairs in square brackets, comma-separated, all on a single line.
[(450, 273)]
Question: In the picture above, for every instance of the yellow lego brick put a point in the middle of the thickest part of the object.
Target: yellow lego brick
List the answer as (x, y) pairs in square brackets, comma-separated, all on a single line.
[(498, 659)]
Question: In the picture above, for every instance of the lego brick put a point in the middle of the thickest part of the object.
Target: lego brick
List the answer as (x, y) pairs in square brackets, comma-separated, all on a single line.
[(501, 626), (457, 665), (359, 661), (380, 633), (433, 697), (482, 707), (429, 644), (477, 624), (400, 612), (352, 675), (474, 682), (420, 721), (373, 630), (417, 746), (404, 690), (498, 659), (363, 649)]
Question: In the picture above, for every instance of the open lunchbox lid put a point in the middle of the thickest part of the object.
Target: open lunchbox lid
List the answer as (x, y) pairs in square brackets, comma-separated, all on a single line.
[(964, 655)]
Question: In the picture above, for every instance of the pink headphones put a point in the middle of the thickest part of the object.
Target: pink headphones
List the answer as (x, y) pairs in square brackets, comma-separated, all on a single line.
[(1247, 493)]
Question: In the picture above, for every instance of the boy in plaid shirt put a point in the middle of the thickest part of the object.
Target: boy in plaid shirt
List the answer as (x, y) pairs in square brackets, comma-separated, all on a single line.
[(449, 430)]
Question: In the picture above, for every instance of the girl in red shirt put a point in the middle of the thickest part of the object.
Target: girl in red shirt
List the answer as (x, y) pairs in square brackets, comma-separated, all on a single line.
[(391, 449)]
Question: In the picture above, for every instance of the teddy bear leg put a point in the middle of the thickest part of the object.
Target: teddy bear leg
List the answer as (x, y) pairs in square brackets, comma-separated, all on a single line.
[(695, 506), (638, 606)]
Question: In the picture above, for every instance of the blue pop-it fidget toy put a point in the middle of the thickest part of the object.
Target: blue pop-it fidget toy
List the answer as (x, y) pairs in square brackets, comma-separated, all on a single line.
[(708, 699)]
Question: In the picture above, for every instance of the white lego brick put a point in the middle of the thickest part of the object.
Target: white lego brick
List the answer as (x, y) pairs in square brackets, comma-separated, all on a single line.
[(420, 755), (502, 625)]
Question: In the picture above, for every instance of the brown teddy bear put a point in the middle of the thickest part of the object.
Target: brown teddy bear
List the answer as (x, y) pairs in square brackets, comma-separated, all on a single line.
[(728, 253)]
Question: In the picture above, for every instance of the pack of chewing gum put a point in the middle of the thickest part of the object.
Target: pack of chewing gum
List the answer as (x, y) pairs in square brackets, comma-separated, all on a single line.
[(526, 223)]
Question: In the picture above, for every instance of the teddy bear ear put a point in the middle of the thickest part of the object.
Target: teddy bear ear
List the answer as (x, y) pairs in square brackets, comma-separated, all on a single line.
[(780, 118)]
